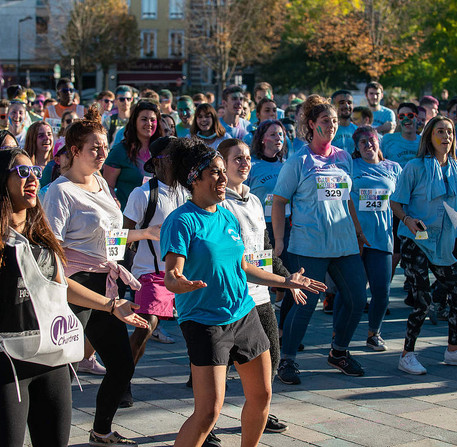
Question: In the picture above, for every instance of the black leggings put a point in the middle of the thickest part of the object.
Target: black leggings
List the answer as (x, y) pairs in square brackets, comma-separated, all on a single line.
[(45, 406), (109, 337)]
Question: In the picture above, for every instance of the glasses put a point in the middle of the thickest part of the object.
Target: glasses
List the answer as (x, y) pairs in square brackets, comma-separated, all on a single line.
[(68, 120), (108, 101), (409, 115), (124, 99), (3, 116), (24, 171), (67, 90)]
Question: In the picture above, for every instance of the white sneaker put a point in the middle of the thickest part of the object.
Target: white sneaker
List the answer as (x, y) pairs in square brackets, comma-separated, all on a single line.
[(91, 366), (410, 364), (450, 357), (161, 336)]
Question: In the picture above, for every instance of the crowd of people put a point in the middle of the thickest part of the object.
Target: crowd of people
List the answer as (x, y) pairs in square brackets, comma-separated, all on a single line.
[(201, 212)]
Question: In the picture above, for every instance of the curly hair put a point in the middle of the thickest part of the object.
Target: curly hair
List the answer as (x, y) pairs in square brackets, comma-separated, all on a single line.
[(310, 111), (37, 229), (130, 136), (186, 154), (79, 130)]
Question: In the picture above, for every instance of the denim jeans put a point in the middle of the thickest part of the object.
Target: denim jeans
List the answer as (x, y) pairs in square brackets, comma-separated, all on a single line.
[(378, 268), (349, 276)]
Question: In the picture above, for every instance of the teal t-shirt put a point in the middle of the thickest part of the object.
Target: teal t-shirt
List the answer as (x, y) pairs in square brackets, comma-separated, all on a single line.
[(399, 149), (319, 189), (182, 131), (372, 186), (131, 174), (343, 138), (240, 131), (382, 116), (411, 191), (47, 174), (213, 248)]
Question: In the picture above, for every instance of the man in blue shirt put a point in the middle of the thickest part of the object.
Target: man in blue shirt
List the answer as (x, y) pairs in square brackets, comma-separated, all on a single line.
[(343, 102), (232, 100), (383, 118)]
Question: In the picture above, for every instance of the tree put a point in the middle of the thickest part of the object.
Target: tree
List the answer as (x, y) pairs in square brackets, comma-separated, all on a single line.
[(100, 32), (228, 34), (375, 35)]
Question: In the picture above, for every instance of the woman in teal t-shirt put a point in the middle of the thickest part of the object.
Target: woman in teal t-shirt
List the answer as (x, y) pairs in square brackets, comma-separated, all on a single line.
[(425, 201), (201, 241), (123, 169)]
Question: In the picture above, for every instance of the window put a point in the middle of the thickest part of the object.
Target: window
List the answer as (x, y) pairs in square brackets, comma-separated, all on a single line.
[(176, 43), (149, 9), (177, 8), (148, 43), (41, 25)]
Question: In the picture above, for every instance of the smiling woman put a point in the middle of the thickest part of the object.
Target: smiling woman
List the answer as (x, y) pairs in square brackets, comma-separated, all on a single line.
[(17, 114), (39, 143), (207, 126)]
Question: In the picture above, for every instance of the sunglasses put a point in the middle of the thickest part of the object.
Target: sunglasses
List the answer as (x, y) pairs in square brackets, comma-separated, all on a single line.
[(124, 99), (24, 171), (108, 101), (3, 116), (409, 115), (67, 90)]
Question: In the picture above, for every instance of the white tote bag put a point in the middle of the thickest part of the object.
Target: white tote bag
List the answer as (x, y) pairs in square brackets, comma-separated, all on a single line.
[(60, 337)]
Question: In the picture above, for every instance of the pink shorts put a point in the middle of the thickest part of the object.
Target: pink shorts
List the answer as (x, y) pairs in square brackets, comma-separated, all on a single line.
[(153, 297)]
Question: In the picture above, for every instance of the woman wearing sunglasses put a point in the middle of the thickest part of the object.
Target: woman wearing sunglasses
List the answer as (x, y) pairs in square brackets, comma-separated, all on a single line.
[(124, 167), (67, 118), (46, 391), (80, 209), (425, 202)]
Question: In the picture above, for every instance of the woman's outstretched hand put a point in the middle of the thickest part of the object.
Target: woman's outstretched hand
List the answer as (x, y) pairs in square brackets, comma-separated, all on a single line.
[(298, 281), (123, 310)]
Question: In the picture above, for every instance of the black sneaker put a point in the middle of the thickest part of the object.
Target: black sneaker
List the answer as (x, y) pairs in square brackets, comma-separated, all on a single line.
[(212, 440), (346, 364), (274, 426), (376, 343), (288, 372), (127, 398), (114, 439)]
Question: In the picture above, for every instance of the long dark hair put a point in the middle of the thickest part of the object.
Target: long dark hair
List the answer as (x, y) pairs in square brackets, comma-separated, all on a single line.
[(216, 127), (257, 145), (130, 136), (36, 230)]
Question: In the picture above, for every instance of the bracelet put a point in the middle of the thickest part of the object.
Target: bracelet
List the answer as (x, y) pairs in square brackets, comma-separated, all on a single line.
[(405, 218), (358, 234), (113, 305)]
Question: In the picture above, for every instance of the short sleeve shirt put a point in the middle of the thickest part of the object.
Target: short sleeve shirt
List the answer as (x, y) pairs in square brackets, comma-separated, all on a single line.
[(399, 149)]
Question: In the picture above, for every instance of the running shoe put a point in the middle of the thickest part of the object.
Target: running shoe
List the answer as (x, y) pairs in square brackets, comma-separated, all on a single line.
[(113, 439), (274, 426), (346, 364), (376, 343), (161, 336), (327, 306), (450, 357), (410, 364), (288, 372), (212, 440), (91, 366)]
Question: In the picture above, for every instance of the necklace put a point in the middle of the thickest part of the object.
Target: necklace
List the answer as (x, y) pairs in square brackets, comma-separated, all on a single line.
[(204, 137)]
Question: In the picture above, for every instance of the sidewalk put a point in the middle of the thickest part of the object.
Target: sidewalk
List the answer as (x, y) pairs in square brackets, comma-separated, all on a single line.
[(386, 407)]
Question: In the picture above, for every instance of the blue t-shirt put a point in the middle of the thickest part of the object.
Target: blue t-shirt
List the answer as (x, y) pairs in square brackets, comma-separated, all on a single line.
[(399, 149), (383, 115), (411, 191), (182, 131), (279, 115), (213, 248), (319, 188), (240, 131), (371, 188), (343, 137), (262, 181)]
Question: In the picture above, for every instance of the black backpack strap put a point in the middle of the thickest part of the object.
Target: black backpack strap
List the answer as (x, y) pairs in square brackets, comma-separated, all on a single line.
[(150, 210)]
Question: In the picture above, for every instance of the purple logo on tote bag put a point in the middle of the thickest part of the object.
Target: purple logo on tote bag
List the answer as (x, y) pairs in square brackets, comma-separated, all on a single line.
[(62, 329)]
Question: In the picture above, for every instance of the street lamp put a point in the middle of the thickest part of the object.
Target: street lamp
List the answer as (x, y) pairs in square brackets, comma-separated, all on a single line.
[(19, 45)]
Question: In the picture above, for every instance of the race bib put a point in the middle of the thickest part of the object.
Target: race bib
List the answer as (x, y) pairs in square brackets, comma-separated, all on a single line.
[(262, 259), (269, 204), (373, 199), (116, 241), (332, 188), (55, 124)]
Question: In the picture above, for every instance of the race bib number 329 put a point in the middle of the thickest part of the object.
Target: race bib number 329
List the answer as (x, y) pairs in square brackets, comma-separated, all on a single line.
[(332, 188)]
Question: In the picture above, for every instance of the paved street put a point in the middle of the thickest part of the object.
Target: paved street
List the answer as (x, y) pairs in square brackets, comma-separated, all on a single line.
[(386, 407)]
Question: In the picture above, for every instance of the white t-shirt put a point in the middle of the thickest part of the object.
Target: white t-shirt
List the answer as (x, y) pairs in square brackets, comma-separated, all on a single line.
[(135, 210), (79, 218)]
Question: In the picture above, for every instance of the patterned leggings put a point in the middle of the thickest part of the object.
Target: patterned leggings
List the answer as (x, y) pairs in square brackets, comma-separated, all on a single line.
[(416, 270)]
